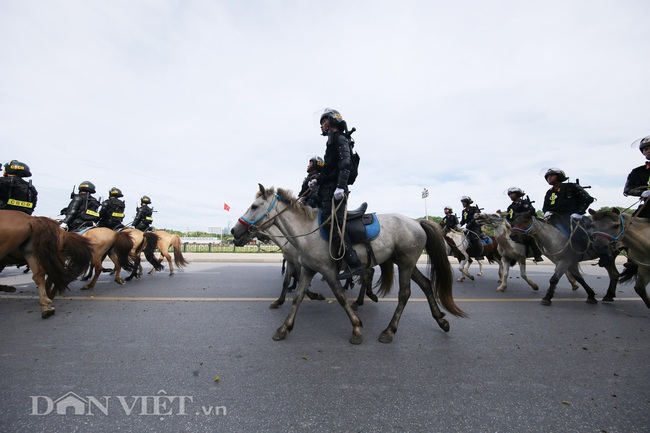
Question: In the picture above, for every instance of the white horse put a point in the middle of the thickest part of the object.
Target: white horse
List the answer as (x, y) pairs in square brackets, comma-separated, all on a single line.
[(401, 242), (457, 247)]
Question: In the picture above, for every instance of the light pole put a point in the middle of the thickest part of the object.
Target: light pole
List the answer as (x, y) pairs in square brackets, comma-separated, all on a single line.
[(425, 194)]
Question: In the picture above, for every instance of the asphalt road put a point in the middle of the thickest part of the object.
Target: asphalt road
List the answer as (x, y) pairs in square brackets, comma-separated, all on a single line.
[(144, 357)]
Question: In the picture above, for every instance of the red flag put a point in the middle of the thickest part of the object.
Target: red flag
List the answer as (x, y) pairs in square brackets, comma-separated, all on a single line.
[(226, 207)]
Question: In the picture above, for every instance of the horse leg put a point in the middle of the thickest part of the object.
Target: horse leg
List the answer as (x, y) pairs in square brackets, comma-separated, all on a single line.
[(402, 298), (365, 289), (591, 296), (643, 276), (118, 268), (337, 289), (560, 269), (285, 287), (572, 281), (613, 280), (480, 268), (169, 260), (97, 266), (305, 278), (136, 267), (504, 276), (522, 271), (38, 275), (425, 285)]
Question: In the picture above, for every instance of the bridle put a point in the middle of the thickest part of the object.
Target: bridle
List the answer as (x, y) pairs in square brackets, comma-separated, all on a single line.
[(612, 238)]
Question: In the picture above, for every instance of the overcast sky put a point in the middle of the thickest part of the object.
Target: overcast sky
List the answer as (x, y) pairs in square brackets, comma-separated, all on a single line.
[(194, 102)]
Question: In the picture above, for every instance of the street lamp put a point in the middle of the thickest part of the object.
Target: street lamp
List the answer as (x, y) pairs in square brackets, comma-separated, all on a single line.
[(425, 194)]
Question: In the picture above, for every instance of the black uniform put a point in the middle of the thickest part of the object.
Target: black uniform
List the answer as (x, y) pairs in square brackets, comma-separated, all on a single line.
[(112, 213), (449, 222), (522, 205), (335, 173), (17, 194), (143, 218), (469, 221), (639, 177), (566, 199), (82, 211), (310, 198)]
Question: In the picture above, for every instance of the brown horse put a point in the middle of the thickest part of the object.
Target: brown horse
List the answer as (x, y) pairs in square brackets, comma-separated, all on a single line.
[(166, 240), (117, 245), (55, 257)]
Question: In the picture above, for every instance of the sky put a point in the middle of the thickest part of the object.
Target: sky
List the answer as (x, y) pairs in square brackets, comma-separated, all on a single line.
[(195, 102)]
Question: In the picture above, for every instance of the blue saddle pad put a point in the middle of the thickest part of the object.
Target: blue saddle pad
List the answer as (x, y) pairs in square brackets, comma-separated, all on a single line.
[(83, 230), (369, 221), (486, 240)]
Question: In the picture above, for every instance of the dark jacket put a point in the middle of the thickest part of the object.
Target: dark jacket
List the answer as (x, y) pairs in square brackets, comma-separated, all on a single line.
[(449, 222), (639, 178), (17, 194), (143, 217), (566, 199), (82, 210), (468, 219), (336, 170), (112, 213), (523, 205), (310, 198)]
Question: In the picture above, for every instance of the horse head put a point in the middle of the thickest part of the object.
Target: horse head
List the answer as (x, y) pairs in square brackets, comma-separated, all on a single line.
[(522, 224), (256, 216), (606, 229)]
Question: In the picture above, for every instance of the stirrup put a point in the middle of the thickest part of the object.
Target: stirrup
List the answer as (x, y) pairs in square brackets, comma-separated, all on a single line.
[(350, 272)]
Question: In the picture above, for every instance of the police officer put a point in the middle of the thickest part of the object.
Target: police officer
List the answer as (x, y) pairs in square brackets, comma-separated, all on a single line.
[(638, 181), (564, 200), (112, 212), (333, 186), (450, 220), (16, 193), (83, 209), (469, 223), (522, 205), (309, 191), (143, 215)]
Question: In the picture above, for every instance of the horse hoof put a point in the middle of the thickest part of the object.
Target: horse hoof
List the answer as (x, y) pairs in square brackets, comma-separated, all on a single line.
[(280, 335), (444, 325), (546, 302), (86, 287), (373, 298), (356, 339), (120, 282), (274, 306), (592, 301), (385, 337), (48, 313), (471, 277), (608, 298), (501, 289), (535, 287)]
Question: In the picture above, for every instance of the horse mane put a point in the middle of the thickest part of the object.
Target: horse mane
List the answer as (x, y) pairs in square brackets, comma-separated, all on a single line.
[(287, 196)]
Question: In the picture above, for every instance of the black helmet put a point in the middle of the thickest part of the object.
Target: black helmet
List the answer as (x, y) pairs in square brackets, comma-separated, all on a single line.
[(448, 207), (335, 119), (115, 192), (516, 190), (467, 199), (87, 186), (561, 176), (18, 168), (644, 142), (317, 163), (145, 200)]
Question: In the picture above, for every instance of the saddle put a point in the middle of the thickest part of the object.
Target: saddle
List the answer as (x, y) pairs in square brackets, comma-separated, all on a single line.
[(360, 226)]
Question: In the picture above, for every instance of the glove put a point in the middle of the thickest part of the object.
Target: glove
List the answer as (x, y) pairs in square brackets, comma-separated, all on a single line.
[(576, 216), (646, 193), (64, 226), (548, 214), (312, 184), (339, 193)]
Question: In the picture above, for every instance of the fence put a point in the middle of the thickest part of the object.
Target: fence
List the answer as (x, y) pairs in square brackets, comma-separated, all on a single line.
[(215, 247)]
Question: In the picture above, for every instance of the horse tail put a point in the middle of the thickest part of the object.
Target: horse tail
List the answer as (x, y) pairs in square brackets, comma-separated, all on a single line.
[(179, 260), (122, 246), (439, 267), (629, 273), (78, 250), (46, 244), (386, 279), (150, 244)]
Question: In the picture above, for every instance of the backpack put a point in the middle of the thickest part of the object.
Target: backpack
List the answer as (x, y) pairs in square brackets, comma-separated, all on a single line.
[(354, 169)]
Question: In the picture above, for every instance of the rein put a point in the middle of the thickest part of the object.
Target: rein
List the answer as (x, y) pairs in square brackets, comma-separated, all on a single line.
[(568, 243), (611, 238)]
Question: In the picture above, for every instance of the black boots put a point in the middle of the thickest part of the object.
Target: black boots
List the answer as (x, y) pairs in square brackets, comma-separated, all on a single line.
[(354, 265)]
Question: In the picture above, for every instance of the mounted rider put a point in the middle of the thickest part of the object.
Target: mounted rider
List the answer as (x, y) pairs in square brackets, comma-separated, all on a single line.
[(519, 205), (468, 222), (564, 201), (450, 220), (112, 213), (143, 215), (83, 210), (333, 187), (638, 181), (16, 193), (309, 191)]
